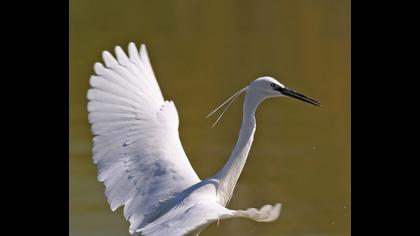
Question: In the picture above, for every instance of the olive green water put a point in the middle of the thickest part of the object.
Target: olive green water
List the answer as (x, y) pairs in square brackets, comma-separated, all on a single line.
[(204, 51)]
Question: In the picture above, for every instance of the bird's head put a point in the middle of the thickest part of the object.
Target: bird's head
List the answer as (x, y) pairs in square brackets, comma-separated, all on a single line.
[(267, 87), (260, 89)]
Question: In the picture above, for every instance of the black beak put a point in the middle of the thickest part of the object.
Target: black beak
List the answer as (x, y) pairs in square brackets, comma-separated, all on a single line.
[(294, 94)]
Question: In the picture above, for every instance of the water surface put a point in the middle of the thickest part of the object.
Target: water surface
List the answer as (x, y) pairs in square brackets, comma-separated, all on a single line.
[(204, 51)]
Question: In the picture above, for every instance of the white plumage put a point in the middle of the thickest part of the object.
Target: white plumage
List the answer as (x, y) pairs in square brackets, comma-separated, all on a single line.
[(140, 158)]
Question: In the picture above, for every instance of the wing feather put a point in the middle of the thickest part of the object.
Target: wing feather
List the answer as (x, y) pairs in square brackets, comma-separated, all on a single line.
[(190, 217), (136, 147), (187, 218)]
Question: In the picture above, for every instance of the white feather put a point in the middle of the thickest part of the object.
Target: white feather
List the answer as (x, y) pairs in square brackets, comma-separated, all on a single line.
[(140, 158), (229, 102), (196, 212), (126, 107)]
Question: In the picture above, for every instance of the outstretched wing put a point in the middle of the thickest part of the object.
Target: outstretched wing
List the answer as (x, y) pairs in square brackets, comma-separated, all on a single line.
[(136, 147), (191, 217)]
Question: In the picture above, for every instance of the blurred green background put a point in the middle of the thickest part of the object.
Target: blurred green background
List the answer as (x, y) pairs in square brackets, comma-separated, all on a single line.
[(204, 51)]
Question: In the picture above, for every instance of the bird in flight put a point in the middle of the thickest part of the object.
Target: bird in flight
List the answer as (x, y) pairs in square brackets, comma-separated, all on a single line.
[(140, 158)]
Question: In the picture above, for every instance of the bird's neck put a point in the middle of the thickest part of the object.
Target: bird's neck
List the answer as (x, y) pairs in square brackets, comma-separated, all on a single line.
[(230, 173)]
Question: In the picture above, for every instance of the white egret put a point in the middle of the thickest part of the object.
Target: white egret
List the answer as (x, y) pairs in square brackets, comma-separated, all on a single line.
[(141, 160)]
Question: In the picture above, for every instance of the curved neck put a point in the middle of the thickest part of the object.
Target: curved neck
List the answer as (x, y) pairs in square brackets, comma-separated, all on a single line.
[(230, 173)]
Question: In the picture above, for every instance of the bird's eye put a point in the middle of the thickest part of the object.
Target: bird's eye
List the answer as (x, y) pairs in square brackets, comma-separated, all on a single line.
[(273, 85)]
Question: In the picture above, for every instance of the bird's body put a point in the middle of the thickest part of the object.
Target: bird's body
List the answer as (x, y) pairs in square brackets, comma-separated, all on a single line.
[(141, 160)]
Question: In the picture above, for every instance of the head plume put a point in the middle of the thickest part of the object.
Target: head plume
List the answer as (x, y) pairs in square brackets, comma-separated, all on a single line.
[(228, 102)]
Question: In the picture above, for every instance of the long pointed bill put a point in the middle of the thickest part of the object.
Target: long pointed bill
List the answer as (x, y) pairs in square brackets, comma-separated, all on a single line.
[(294, 94)]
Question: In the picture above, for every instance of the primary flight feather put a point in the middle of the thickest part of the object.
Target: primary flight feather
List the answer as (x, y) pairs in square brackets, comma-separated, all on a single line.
[(140, 158)]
